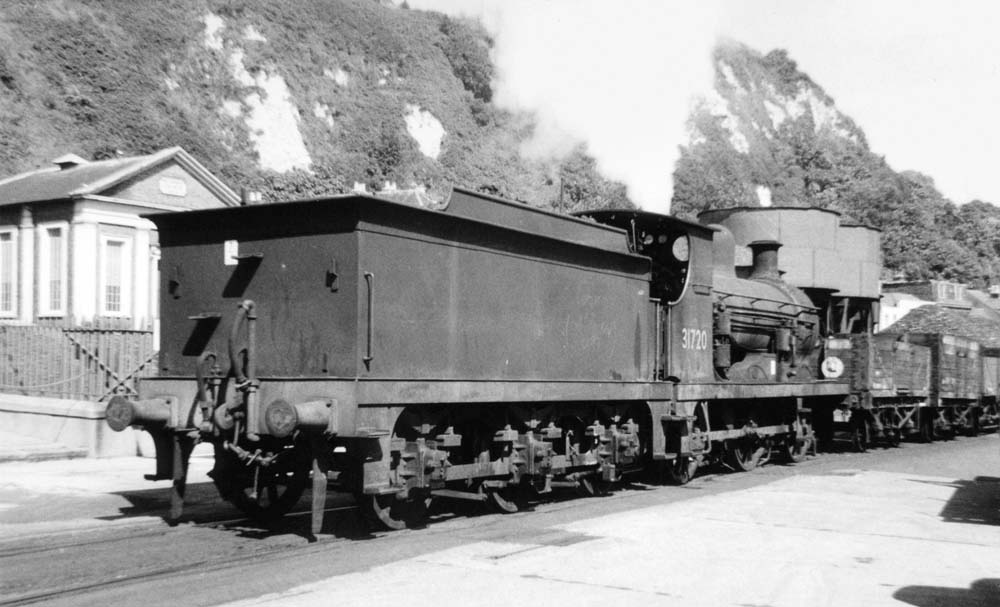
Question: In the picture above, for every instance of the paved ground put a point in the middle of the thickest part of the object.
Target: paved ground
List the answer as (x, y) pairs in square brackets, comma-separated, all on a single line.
[(46, 494), (857, 538), (913, 526), (18, 448)]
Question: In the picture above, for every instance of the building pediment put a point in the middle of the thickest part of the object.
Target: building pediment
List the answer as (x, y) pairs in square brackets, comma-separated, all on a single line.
[(72, 177)]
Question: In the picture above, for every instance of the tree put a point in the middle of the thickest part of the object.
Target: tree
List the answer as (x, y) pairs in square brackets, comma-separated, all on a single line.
[(467, 47), (583, 188)]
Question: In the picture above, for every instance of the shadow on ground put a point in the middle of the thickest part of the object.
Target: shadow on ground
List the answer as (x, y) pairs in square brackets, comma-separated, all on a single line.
[(975, 501), (204, 507), (982, 593)]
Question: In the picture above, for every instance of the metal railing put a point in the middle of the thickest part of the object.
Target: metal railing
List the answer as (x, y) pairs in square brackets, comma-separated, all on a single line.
[(86, 363)]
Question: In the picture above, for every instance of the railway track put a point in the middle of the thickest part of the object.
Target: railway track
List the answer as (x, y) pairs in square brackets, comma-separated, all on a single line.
[(143, 532), (14, 557), (9, 556), (444, 522)]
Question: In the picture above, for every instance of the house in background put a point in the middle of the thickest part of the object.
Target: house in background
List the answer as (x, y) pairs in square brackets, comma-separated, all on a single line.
[(73, 247), (942, 306)]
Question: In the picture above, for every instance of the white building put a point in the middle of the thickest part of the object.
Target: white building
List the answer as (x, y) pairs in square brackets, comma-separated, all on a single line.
[(74, 248)]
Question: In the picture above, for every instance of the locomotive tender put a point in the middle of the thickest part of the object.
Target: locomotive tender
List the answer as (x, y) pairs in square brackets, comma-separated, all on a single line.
[(487, 346)]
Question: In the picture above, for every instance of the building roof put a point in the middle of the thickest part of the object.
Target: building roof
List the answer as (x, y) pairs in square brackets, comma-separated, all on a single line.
[(75, 179), (982, 299), (894, 299), (935, 318)]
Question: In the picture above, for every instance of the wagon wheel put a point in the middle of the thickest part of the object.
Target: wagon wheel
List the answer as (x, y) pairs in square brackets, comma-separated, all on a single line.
[(264, 493), (861, 436), (681, 470), (795, 449), (926, 430), (892, 436), (972, 428), (745, 454)]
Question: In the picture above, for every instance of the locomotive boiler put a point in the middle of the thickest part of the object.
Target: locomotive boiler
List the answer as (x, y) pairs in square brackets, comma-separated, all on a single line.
[(474, 351)]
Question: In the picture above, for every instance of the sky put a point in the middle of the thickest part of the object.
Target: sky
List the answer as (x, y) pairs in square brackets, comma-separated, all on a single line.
[(920, 77)]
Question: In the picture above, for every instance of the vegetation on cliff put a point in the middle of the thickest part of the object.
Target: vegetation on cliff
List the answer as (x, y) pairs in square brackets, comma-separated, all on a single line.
[(377, 93), (771, 126)]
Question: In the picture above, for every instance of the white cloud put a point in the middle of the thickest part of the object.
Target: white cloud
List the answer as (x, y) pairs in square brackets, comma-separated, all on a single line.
[(918, 76)]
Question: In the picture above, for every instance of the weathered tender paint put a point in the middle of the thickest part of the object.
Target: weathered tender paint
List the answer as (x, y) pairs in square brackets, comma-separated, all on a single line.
[(361, 287)]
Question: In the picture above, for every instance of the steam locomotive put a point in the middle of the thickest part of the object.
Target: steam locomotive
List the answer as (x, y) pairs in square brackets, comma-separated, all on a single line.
[(487, 348)]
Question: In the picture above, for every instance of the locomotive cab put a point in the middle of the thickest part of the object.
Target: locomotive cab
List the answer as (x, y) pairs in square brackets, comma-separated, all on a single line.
[(670, 253), (664, 240), (680, 254)]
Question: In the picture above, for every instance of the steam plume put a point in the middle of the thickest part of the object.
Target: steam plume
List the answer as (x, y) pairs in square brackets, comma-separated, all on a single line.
[(620, 77)]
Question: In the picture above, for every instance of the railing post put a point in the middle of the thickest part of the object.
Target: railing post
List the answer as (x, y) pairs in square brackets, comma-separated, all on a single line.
[(72, 362)]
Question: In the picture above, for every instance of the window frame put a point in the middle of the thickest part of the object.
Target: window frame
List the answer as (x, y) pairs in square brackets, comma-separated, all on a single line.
[(44, 270), (126, 269), (12, 312)]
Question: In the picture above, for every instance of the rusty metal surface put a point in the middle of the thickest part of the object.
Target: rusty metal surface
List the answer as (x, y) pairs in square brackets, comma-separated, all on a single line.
[(887, 366), (955, 366), (991, 373)]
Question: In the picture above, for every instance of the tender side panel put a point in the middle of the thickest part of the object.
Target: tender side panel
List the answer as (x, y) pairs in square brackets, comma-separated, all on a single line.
[(462, 300), (305, 292)]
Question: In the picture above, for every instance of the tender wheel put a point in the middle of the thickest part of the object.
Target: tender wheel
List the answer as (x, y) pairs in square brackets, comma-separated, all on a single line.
[(388, 512), (745, 454), (681, 470), (500, 499), (264, 493), (593, 486), (377, 510)]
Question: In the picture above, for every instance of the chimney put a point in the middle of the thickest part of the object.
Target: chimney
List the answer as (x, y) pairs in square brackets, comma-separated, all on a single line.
[(248, 196), (765, 259)]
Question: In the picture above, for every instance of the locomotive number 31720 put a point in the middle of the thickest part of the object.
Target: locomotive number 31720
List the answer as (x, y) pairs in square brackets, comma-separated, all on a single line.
[(694, 339)]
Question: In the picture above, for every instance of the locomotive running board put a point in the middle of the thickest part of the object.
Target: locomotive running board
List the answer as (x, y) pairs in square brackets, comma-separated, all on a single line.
[(734, 391), (389, 392)]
